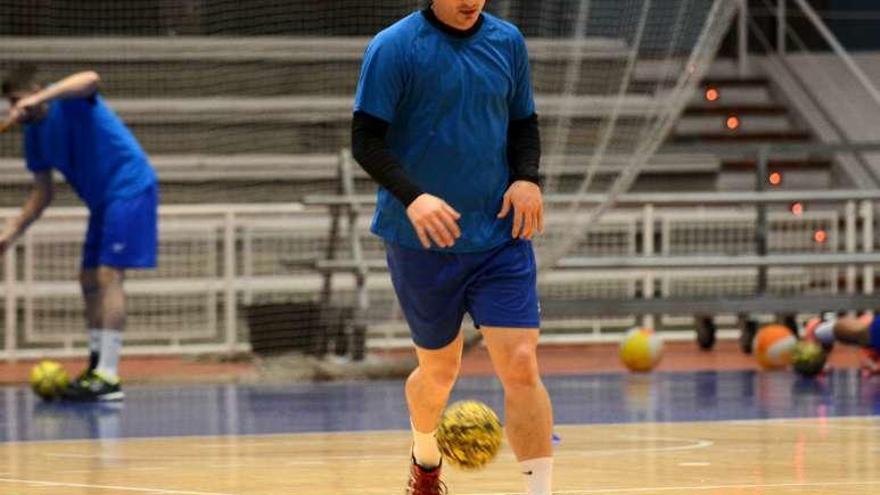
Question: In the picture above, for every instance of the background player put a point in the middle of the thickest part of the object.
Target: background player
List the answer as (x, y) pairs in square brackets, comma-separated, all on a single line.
[(445, 122), (862, 331), (68, 127)]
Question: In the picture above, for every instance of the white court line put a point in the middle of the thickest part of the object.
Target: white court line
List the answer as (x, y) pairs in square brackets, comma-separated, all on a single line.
[(224, 440), (690, 444), (807, 419), (106, 487), (831, 426), (698, 487)]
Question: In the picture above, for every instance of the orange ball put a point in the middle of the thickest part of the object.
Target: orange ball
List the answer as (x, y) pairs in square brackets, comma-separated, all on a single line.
[(773, 346)]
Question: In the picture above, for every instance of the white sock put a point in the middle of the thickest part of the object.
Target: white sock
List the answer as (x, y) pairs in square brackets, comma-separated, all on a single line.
[(108, 361), (425, 449), (539, 475), (824, 331)]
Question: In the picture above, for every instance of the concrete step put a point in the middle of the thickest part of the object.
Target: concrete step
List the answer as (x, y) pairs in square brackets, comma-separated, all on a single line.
[(743, 137), (307, 125), (199, 67), (734, 95), (189, 179), (702, 124), (744, 109), (780, 164)]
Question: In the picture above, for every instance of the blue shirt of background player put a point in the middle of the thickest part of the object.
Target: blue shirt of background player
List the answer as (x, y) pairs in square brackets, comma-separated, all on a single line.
[(84, 140), (448, 101)]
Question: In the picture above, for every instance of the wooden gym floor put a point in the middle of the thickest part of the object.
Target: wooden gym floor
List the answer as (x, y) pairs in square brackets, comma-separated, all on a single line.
[(715, 433)]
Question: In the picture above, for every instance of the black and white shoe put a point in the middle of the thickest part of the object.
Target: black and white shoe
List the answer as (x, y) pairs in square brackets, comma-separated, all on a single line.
[(93, 386)]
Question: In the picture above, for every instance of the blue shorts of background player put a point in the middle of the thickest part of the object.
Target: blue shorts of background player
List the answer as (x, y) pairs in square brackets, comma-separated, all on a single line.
[(874, 330), (123, 233), (498, 288)]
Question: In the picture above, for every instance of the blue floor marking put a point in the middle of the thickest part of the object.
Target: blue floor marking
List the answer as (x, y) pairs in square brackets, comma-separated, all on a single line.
[(160, 411)]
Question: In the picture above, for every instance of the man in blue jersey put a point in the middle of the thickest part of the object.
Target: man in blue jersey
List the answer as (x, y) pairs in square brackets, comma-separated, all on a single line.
[(444, 121), (69, 128)]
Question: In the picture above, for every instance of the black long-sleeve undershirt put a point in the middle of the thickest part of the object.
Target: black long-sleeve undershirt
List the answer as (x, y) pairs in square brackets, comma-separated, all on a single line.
[(524, 149), (373, 154), (370, 150)]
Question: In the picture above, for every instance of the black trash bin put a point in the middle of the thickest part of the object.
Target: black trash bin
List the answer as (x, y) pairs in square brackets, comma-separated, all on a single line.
[(308, 327), (278, 328)]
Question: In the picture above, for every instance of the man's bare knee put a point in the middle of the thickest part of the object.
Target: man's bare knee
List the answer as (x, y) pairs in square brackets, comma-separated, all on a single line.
[(441, 373), (521, 368)]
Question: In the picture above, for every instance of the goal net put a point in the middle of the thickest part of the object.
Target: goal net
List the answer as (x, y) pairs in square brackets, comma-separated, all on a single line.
[(245, 108)]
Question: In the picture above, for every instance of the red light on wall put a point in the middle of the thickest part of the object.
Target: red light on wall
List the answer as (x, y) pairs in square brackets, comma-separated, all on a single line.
[(775, 178), (712, 94), (797, 208), (820, 236), (732, 122)]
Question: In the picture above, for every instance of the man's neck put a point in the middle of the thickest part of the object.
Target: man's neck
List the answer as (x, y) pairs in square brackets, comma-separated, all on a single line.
[(431, 16)]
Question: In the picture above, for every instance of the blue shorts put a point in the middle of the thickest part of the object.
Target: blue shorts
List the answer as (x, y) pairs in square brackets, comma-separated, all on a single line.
[(875, 333), (123, 233), (498, 288)]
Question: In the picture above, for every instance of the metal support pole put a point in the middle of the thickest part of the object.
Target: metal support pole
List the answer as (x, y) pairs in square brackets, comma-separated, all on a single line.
[(230, 304), (761, 218), (781, 26), (648, 250), (10, 300), (868, 244), (850, 239), (742, 38)]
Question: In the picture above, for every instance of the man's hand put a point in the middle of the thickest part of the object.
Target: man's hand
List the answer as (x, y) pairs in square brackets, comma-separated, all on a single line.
[(525, 199), (434, 221), (25, 109)]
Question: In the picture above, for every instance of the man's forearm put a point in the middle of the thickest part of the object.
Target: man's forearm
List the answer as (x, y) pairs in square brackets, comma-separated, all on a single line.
[(374, 156), (30, 212), (79, 85)]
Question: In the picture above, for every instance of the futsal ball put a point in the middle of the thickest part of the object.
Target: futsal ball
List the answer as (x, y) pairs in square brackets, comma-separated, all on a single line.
[(773, 346), (48, 379), (641, 349), (469, 435), (808, 358)]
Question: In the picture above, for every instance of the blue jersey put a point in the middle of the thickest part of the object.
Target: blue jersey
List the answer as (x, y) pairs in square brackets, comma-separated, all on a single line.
[(448, 101), (84, 140)]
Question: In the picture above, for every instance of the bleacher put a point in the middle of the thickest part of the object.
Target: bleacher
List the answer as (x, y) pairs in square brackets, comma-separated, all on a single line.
[(211, 110), (248, 127)]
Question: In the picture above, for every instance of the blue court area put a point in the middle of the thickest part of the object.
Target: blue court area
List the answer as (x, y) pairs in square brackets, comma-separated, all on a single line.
[(165, 411)]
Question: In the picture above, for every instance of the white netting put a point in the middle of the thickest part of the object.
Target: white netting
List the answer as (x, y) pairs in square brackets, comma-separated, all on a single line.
[(675, 41), (250, 102)]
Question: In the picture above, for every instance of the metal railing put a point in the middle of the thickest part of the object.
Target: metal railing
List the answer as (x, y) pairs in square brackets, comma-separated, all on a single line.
[(217, 259)]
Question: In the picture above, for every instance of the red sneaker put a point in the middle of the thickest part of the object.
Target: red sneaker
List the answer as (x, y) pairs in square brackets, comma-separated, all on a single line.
[(424, 482), (870, 362)]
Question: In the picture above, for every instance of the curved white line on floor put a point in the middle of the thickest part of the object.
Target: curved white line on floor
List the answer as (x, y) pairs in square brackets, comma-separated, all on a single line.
[(691, 444)]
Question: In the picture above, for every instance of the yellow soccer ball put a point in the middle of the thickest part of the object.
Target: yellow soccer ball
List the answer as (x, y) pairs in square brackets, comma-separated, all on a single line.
[(469, 435), (48, 379)]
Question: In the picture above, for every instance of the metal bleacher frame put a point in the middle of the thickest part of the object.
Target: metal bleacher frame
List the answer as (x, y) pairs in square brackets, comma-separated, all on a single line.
[(759, 303)]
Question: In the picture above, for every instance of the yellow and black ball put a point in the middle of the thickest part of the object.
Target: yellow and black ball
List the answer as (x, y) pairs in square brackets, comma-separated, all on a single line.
[(469, 435), (808, 358), (48, 379)]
